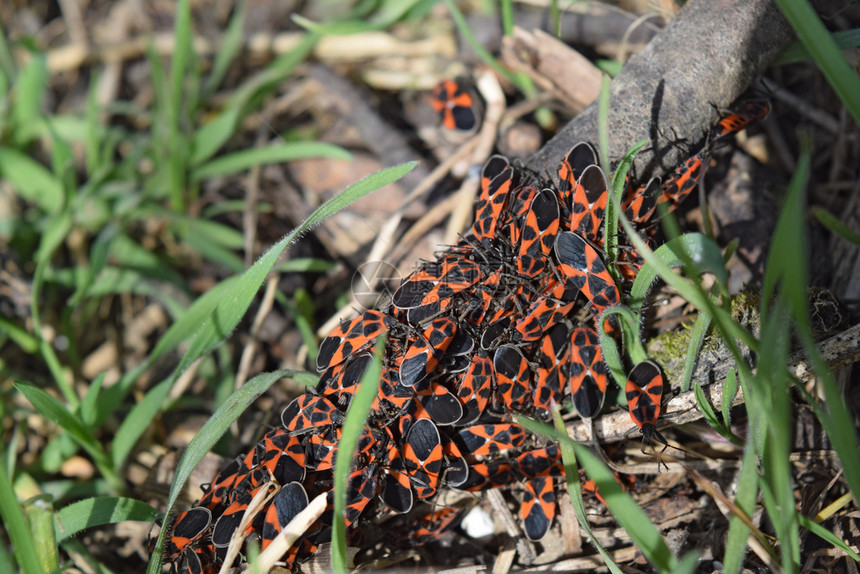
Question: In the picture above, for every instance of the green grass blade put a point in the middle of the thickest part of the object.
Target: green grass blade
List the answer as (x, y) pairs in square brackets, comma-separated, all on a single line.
[(568, 456), (356, 419), (232, 307), (487, 57), (730, 389), (39, 511), (289, 151), (16, 525), (821, 45), (182, 56), (827, 536), (629, 324), (696, 247), (209, 138), (29, 93), (697, 339), (305, 265), (33, 181), (230, 46), (622, 506), (736, 541), (388, 14), (613, 206), (98, 511), (711, 416), (56, 412), (203, 441), (179, 332), (838, 227), (89, 405), (796, 52)]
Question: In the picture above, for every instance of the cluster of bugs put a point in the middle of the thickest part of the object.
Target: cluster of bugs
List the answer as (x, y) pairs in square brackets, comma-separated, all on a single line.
[(505, 322)]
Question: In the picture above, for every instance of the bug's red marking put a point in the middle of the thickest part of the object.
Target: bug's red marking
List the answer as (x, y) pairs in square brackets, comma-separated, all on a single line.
[(489, 439), (644, 393), (455, 105), (581, 266), (683, 180), (538, 507), (588, 373), (352, 336)]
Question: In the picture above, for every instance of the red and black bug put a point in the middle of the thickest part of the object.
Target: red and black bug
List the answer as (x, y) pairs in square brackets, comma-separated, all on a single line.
[(455, 105), (286, 504), (581, 266), (553, 304), (683, 180), (489, 439), (433, 525), (539, 463), (589, 203), (538, 233), (538, 507), (362, 486), (488, 474), (308, 412), (425, 353), (215, 493), (352, 336), (441, 404), (229, 521), (570, 169), (553, 357), (422, 457), (741, 116), (475, 387), (340, 382), (513, 378), (437, 281), (588, 373), (496, 187), (189, 527), (284, 456), (456, 468), (644, 393), (640, 203)]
